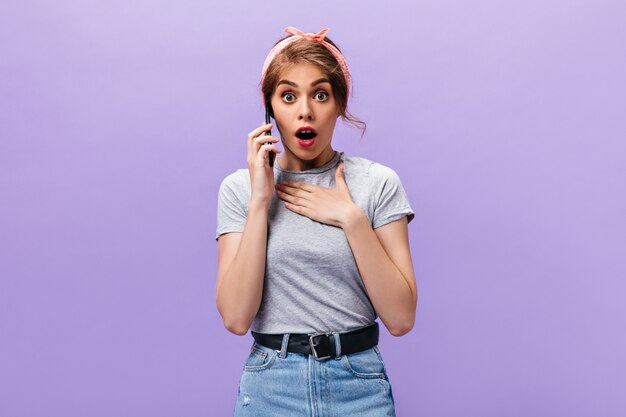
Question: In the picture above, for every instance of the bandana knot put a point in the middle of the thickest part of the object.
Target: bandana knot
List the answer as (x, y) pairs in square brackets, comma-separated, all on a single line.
[(319, 36)]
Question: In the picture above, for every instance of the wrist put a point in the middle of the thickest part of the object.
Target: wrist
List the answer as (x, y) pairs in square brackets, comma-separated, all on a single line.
[(354, 215), (259, 203)]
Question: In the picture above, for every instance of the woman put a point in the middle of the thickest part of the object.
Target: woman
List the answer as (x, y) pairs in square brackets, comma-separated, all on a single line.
[(313, 249)]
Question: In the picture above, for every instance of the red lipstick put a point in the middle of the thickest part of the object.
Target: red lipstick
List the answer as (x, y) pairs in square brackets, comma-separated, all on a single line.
[(306, 136), (306, 130)]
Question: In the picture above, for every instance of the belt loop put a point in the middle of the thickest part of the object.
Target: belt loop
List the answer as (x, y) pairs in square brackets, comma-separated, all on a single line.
[(283, 348), (337, 346)]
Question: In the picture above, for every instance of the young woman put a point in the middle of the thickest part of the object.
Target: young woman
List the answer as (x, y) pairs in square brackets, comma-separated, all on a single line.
[(312, 250)]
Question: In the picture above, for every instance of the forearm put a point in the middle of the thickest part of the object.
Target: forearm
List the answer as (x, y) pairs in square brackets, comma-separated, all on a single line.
[(239, 295), (387, 288)]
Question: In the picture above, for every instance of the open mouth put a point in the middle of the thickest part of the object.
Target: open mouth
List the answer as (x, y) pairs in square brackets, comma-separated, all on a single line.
[(306, 133)]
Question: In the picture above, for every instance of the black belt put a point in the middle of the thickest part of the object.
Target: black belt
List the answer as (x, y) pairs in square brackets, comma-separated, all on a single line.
[(322, 345)]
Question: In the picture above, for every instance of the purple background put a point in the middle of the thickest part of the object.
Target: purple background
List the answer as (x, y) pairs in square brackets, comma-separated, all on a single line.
[(505, 121)]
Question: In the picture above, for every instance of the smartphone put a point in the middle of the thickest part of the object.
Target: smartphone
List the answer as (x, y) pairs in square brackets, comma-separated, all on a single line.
[(269, 133)]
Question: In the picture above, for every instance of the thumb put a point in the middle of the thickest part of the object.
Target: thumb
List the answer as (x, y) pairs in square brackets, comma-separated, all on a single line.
[(340, 178)]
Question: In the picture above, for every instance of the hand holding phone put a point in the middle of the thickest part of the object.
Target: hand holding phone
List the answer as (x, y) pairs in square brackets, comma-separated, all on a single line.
[(261, 174)]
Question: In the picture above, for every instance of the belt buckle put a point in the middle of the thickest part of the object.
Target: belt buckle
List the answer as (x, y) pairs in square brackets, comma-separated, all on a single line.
[(312, 345)]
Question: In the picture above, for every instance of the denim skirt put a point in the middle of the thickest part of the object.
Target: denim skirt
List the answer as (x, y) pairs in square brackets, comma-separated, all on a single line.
[(277, 383)]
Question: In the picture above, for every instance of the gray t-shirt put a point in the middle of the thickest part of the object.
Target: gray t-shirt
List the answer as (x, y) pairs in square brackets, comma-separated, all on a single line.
[(312, 283)]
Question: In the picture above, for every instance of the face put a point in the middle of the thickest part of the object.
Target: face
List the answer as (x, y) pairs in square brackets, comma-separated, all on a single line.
[(304, 98)]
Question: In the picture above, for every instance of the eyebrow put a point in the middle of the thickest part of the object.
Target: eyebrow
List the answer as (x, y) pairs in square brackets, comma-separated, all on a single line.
[(314, 83)]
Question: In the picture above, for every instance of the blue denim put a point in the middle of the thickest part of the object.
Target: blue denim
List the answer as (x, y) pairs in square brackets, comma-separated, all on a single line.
[(286, 384)]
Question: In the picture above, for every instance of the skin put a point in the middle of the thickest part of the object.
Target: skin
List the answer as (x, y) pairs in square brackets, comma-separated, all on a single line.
[(313, 106), (304, 105), (382, 255)]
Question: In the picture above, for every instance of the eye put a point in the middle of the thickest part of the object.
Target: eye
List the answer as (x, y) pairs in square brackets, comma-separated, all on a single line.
[(287, 95), (323, 93)]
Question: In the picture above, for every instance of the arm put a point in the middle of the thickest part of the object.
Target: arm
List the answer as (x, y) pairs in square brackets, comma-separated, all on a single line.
[(241, 270), (383, 258), (242, 255)]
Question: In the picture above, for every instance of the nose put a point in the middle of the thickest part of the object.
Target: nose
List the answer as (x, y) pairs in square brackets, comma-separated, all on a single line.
[(306, 111)]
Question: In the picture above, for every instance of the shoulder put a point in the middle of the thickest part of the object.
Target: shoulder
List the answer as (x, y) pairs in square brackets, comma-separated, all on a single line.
[(236, 183), (374, 171), (236, 179)]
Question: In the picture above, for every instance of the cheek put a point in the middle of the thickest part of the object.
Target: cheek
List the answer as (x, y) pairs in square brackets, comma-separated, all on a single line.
[(278, 122), (330, 120), (281, 111)]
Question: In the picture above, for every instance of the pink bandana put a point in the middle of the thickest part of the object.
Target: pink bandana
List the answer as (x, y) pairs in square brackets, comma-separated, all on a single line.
[(315, 36)]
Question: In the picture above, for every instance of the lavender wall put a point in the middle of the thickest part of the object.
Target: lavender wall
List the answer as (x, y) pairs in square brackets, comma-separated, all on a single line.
[(505, 121)]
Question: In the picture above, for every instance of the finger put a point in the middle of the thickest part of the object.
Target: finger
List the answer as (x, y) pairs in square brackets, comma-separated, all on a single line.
[(263, 139), (339, 172), (265, 149), (292, 199), (256, 132), (295, 191), (340, 178), (255, 145), (260, 144), (298, 209)]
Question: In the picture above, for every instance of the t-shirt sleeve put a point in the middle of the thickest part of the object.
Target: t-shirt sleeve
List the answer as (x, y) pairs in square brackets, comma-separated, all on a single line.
[(392, 202), (231, 211)]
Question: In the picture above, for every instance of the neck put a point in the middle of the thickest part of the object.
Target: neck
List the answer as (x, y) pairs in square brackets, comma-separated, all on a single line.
[(291, 162)]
